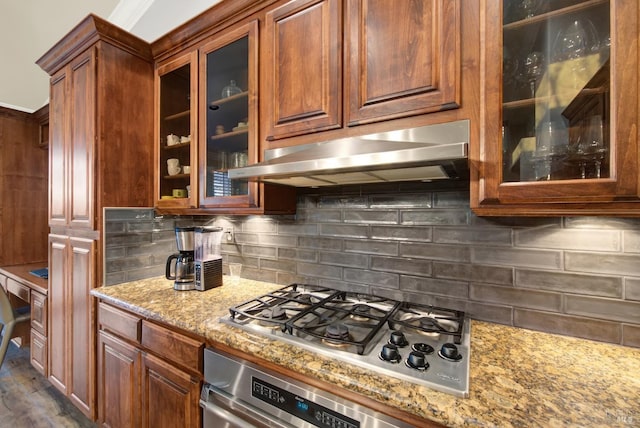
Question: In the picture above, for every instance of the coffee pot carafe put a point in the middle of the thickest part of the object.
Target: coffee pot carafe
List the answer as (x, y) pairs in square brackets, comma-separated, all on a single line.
[(183, 268)]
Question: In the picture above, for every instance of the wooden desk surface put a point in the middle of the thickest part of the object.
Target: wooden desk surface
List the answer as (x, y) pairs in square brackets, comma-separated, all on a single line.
[(21, 274)]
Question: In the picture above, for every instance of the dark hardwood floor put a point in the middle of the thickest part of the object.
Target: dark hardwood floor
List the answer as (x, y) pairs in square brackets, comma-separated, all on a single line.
[(28, 400)]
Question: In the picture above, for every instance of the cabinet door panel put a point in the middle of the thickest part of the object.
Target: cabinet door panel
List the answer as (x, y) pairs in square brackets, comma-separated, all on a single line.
[(82, 145), (59, 128), (169, 396), (303, 67), (81, 335), (118, 382), (58, 343), (39, 352), (404, 58)]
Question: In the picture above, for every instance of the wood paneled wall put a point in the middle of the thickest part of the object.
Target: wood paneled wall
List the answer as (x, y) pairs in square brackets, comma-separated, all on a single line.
[(23, 189)]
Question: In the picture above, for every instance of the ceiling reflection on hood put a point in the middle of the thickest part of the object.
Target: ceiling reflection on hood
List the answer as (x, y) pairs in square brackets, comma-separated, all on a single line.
[(422, 153)]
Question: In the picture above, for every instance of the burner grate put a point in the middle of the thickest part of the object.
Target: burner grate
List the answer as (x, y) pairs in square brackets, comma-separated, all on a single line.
[(429, 319)]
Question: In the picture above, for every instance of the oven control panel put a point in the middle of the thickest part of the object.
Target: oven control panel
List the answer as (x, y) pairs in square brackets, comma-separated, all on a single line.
[(295, 405)]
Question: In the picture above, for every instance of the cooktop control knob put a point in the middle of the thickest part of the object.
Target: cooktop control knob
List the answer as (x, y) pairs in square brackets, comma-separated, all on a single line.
[(397, 338), (449, 352), (390, 353), (417, 360)]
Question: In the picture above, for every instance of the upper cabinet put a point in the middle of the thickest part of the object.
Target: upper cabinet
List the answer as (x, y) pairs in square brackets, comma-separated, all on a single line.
[(560, 106), (312, 53), (176, 95), (100, 123), (229, 116)]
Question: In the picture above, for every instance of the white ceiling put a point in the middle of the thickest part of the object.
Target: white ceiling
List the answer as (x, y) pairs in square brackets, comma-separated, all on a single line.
[(28, 28)]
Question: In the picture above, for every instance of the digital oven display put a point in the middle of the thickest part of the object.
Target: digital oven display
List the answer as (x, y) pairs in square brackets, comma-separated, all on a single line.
[(295, 405)]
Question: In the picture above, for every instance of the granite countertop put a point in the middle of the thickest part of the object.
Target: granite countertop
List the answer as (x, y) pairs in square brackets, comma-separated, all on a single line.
[(518, 378)]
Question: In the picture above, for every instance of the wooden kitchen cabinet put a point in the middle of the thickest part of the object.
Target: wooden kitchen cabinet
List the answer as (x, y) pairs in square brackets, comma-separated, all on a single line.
[(39, 325), (176, 137), (72, 337), (148, 375), (560, 123), (100, 155), (386, 73), (209, 94)]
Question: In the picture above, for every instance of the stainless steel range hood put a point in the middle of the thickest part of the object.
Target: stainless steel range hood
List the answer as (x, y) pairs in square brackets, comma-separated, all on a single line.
[(423, 153)]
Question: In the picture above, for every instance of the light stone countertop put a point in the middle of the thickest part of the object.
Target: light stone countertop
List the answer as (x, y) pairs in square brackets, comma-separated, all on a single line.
[(518, 378)]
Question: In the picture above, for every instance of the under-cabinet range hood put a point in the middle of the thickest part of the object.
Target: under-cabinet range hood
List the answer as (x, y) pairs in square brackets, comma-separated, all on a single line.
[(423, 153)]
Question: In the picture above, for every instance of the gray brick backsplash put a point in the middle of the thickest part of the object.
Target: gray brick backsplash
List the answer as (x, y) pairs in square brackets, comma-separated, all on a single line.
[(422, 200), (516, 297), (377, 279), (342, 259), (614, 264), (298, 254), (613, 309), (432, 217), (543, 259), (452, 270), (435, 286), (345, 230), (569, 239), (419, 242), (319, 216), (436, 251), (632, 289), (286, 241), (451, 199), (631, 241), (587, 328), (467, 235), (630, 335), (593, 285), (320, 271), (402, 233), (492, 274), (372, 217), (368, 246), (401, 265)]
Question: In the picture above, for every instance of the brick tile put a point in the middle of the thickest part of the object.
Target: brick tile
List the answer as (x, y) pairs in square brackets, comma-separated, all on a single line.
[(345, 230), (436, 251), (411, 200), (401, 265), (434, 286), (632, 289), (467, 235), (615, 264), (570, 239), (631, 335), (435, 216), (402, 233), (570, 283), (452, 270), (611, 309), (516, 297), (519, 257), (370, 246), (377, 279), (371, 217), (342, 259), (492, 274), (587, 328)]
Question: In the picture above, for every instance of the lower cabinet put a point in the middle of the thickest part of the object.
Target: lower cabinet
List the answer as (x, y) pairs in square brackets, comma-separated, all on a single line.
[(148, 375), (39, 332)]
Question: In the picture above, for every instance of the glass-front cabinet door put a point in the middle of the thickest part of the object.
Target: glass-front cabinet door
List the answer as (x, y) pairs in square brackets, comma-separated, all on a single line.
[(176, 156), (560, 104), (228, 118)]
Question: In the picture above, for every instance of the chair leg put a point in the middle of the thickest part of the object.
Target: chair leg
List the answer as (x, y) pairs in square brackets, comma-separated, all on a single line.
[(7, 331)]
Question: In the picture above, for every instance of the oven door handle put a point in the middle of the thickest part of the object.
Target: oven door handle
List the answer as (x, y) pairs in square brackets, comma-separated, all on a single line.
[(224, 407)]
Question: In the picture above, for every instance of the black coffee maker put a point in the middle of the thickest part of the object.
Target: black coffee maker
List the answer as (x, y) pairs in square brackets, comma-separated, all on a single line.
[(183, 268)]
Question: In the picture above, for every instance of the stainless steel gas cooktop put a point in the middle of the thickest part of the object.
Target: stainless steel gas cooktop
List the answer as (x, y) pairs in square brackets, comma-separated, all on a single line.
[(421, 344)]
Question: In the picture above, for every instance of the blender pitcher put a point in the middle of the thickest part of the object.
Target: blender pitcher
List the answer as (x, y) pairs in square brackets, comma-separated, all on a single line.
[(207, 257)]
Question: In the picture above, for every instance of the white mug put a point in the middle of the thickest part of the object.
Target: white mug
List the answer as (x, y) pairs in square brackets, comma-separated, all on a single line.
[(173, 162), (172, 140), (186, 169), (173, 169)]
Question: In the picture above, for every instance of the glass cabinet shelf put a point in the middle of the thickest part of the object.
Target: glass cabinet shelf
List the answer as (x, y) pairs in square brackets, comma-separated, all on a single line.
[(556, 79)]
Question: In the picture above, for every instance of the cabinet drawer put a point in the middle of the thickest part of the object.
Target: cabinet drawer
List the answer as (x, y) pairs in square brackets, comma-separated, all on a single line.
[(173, 346), (39, 352), (20, 290), (39, 312), (119, 322)]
